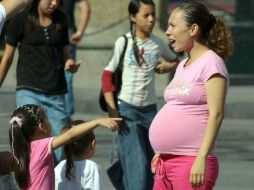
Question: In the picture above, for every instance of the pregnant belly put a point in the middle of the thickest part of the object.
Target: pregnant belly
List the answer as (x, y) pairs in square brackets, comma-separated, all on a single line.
[(176, 131)]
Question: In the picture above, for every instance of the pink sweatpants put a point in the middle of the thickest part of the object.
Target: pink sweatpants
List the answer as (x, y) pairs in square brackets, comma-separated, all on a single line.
[(173, 173)]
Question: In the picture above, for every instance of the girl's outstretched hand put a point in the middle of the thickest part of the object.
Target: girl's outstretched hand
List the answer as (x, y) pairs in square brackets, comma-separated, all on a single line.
[(111, 123)]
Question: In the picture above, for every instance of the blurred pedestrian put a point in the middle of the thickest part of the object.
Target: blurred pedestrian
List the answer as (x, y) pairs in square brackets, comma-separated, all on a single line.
[(75, 36)]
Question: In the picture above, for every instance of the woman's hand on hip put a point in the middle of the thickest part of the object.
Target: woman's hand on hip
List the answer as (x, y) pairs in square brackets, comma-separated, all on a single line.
[(154, 162)]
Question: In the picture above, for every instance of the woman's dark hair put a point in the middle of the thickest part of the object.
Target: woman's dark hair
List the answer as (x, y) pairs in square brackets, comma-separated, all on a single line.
[(24, 123), (133, 9), (32, 22), (213, 30), (76, 148)]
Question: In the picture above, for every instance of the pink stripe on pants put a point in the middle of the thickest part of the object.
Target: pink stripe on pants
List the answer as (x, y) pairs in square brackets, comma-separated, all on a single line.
[(173, 173)]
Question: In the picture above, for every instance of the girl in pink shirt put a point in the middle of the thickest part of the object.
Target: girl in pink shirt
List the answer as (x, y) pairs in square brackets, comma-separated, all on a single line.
[(32, 146), (184, 131)]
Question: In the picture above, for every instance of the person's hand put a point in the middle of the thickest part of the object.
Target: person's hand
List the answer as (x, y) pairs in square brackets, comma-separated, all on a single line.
[(111, 123), (113, 113), (76, 37), (197, 175), (71, 66), (154, 162), (164, 67)]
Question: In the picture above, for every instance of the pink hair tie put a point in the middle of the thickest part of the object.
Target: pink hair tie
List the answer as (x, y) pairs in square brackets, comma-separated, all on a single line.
[(16, 119)]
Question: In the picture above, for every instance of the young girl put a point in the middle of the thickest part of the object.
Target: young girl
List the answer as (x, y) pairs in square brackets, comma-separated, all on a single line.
[(184, 131), (77, 171), (41, 33), (137, 98), (32, 145)]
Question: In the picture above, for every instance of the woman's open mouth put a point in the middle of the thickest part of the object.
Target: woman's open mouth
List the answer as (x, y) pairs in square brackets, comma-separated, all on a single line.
[(171, 42)]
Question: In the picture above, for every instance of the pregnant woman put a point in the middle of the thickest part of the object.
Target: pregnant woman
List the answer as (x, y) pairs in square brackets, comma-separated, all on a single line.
[(184, 131)]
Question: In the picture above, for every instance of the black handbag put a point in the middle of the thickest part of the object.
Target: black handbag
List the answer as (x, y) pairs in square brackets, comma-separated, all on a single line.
[(116, 80), (115, 170), (115, 174)]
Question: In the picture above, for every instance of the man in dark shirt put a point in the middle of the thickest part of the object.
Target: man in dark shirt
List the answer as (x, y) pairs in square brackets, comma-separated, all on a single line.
[(75, 35)]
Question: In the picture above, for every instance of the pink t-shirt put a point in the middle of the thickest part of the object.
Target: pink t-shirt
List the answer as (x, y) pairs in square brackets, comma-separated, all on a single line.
[(178, 128), (42, 165)]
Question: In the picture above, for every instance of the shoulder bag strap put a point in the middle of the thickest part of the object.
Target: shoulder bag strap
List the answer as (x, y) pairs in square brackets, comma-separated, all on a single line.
[(120, 65)]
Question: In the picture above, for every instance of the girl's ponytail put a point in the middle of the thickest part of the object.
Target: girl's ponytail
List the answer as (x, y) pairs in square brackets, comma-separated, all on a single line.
[(213, 33), (20, 148), (133, 9), (69, 161), (134, 46)]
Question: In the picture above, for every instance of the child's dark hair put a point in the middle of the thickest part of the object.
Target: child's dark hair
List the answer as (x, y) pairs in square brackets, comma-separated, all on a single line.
[(214, 33), (133, 9), (24, 122), (76, 147)]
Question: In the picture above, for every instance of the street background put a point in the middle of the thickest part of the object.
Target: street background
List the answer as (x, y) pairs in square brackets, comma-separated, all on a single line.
[(109, 19)]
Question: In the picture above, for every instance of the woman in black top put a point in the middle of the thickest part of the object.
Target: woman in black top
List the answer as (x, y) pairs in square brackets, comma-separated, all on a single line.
[(41, 34)]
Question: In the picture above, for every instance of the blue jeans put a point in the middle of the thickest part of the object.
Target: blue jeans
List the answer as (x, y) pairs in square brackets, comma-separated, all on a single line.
[(69, 97), (135, 151), (53, 105)]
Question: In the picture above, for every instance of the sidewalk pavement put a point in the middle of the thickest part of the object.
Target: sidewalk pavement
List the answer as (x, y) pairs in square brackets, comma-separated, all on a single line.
[(234, 147)]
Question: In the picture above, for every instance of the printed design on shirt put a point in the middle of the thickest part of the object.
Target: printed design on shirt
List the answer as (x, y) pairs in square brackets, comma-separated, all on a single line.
[(179, 87), (145, 57)]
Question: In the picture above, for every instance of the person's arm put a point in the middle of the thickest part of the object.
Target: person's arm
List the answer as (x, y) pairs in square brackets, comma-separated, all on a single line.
[(165, 66), (112, 107), (85, 11), (13, 6), (70, 64), (108, 88), (83, 128), (107, 83), (6, 62), (170, 61), (216, 93)]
